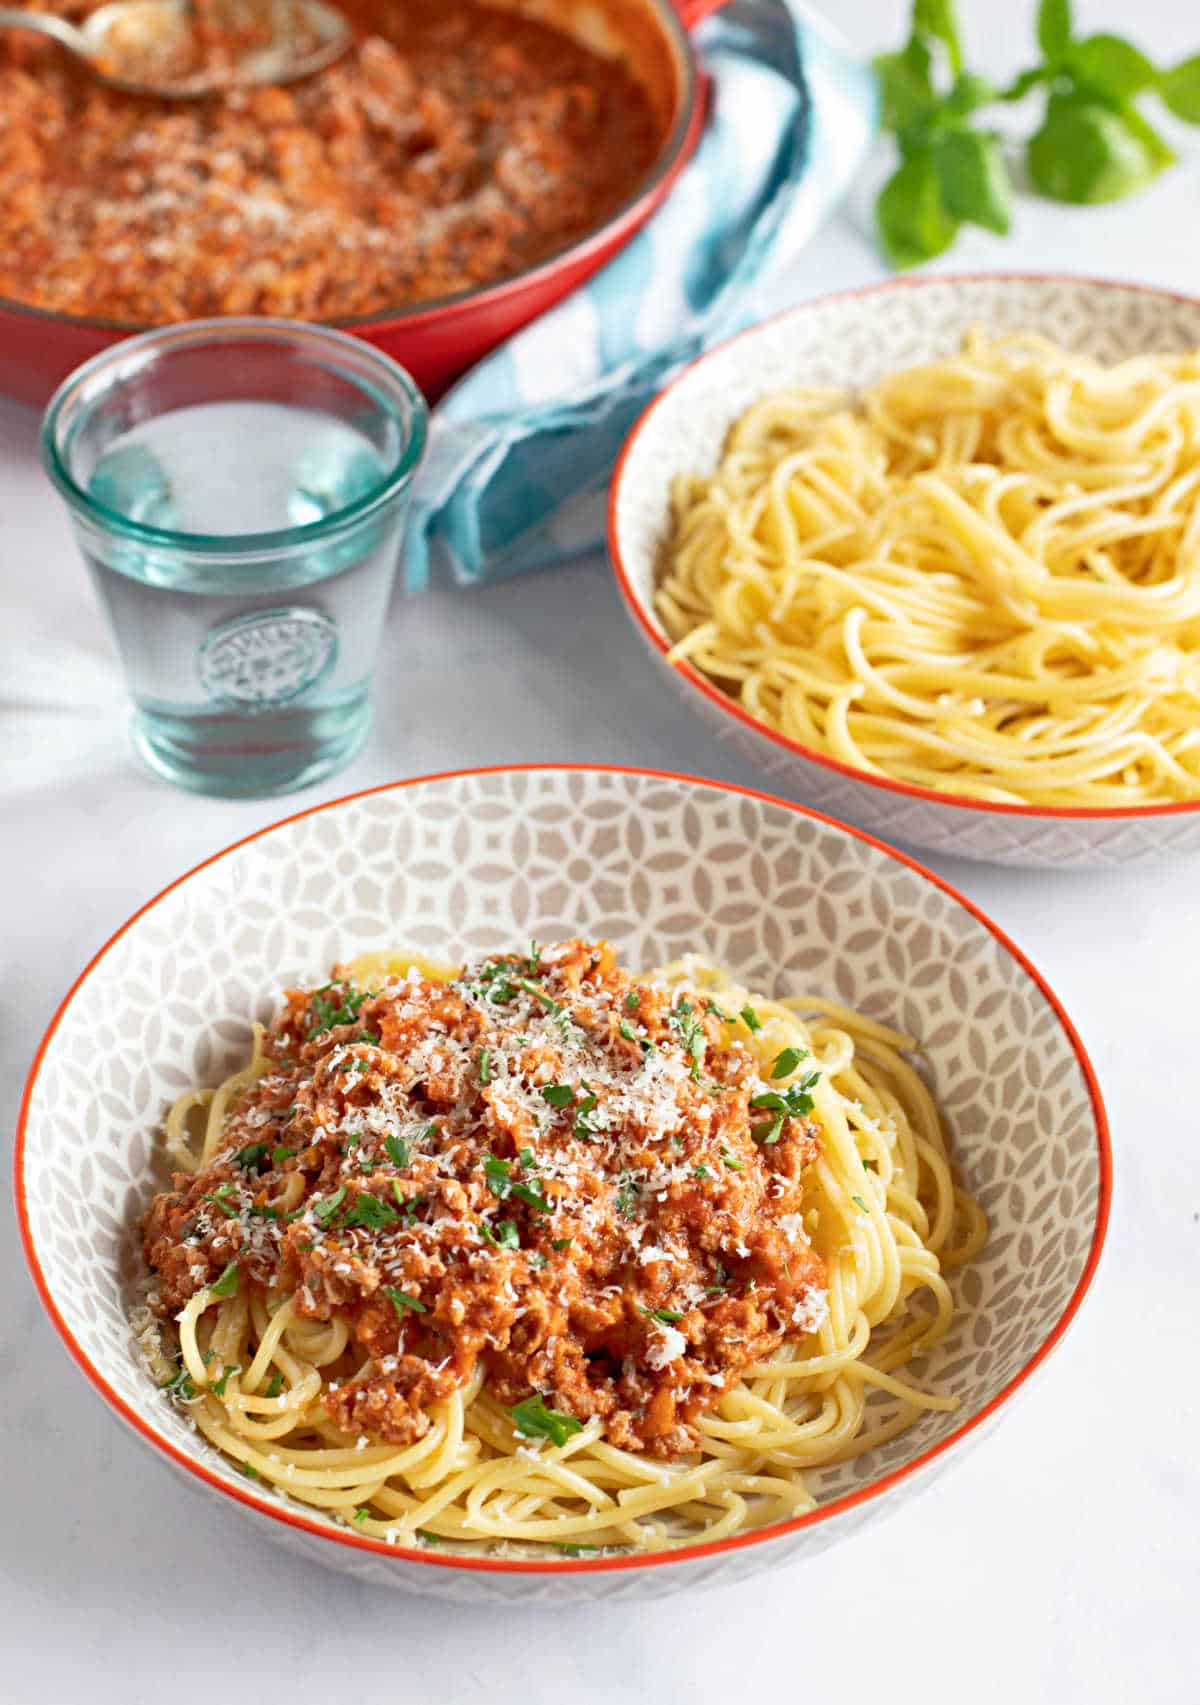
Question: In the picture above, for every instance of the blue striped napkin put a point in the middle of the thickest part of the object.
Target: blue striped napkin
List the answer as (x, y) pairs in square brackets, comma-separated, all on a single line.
[(522, 447)]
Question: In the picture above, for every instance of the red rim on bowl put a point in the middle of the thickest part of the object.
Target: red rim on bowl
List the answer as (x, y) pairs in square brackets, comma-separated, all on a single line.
[(644, 620), (654, 1559)]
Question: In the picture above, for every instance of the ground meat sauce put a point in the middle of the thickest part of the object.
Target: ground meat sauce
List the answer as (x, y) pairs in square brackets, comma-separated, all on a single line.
[(452, 147), (541, 1166)]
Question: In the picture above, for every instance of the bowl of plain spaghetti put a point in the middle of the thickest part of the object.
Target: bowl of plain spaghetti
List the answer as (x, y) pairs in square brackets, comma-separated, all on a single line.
[(552, 1184), (929, 555)]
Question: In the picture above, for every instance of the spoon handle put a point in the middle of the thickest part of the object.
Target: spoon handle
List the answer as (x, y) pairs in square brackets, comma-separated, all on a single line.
[(41, 23)]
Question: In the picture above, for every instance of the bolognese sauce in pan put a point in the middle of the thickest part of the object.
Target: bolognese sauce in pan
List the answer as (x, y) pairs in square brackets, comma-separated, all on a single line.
[(454, 146)]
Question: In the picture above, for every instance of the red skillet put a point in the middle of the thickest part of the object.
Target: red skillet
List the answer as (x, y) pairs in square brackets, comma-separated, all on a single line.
[(437, 341)]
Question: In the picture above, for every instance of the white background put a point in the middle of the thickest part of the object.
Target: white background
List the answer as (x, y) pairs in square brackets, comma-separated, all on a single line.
[(1059, 1561)]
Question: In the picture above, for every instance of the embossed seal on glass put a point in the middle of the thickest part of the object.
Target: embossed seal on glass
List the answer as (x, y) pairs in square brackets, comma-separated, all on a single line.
[(267, 657)]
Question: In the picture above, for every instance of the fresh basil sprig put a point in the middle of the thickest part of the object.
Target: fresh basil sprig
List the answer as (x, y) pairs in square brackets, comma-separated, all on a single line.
[(1092, 145)]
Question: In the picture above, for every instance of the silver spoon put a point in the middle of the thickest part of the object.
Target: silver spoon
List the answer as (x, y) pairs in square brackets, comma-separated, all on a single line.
[(316, 36)]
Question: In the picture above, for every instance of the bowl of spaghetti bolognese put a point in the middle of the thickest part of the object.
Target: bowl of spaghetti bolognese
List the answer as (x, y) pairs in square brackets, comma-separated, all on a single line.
[(553, 1184)]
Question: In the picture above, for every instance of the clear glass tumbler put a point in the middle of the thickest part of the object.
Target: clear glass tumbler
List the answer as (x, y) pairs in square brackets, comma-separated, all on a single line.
[(239, 488)]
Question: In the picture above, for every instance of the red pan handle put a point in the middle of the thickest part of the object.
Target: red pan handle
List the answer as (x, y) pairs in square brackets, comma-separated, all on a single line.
[(692, 12)]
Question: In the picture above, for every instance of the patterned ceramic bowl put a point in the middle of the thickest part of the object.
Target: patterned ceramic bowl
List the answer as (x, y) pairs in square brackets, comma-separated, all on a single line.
[(851, 340), (660, 865)]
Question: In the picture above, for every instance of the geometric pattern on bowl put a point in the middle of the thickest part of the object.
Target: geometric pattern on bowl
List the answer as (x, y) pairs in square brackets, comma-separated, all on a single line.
[(851, 340), (660, 865)]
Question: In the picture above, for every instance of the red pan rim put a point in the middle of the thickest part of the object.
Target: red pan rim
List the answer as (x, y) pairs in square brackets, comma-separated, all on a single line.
[(659, 1559), (688, 672)]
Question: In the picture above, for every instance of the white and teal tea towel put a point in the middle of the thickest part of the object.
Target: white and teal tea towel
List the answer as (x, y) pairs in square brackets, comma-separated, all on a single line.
[(522, 447)]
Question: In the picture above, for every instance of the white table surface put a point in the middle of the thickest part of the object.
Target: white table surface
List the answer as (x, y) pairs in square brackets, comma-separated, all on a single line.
[(1060, 1561)]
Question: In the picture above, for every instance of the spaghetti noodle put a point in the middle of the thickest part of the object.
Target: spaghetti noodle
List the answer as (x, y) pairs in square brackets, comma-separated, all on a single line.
[(745, 1129), (981, 577)]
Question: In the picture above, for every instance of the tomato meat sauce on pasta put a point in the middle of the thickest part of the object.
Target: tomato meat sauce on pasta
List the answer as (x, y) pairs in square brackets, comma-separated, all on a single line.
[(536, 1251), (451, 148)]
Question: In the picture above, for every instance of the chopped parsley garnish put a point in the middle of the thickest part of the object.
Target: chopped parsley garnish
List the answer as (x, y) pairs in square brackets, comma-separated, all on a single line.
[(220, 1199), (534, 963), (505, 1235), (750, 1019), (574, 1550), (227, 1284), (711, 1006), (534, 1421), (532, 1198), (699, 1172), (768, 1131), (362, 1513), (500, 1182), (858, 1201), (627, 1031), (325, 1210), (584, 1129), (870, 1164), (329, 1013), (732, 1162), (627, 1197), (528, 1159), (249, 1470), (633, 1000), (561, 1243), (791, 1103), (276, 1385), (497, 1171), (280, 1154), (558, 1094), (398, 1151), (264, 1213), (721, 1277), (401, 1301), (179, 1385), (430, 1538), (485, 1066), (495, 982), (784, 1064), (539, 994), (690, 1031), (537, 1260), (367, 1210), (668, 1316), (251, 1157), (217, 1386)]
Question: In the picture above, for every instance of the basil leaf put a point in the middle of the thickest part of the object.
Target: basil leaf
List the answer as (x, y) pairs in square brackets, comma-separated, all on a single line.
[(913, 222), (1054, 27), (974, 179), (398, 1151), (906, 94), (1086, 153), (784, 1064), (1180, 89), (1111, 65), (969, 92), (558, 1094), (533, 1420), (227, 1284), (937, 18)]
